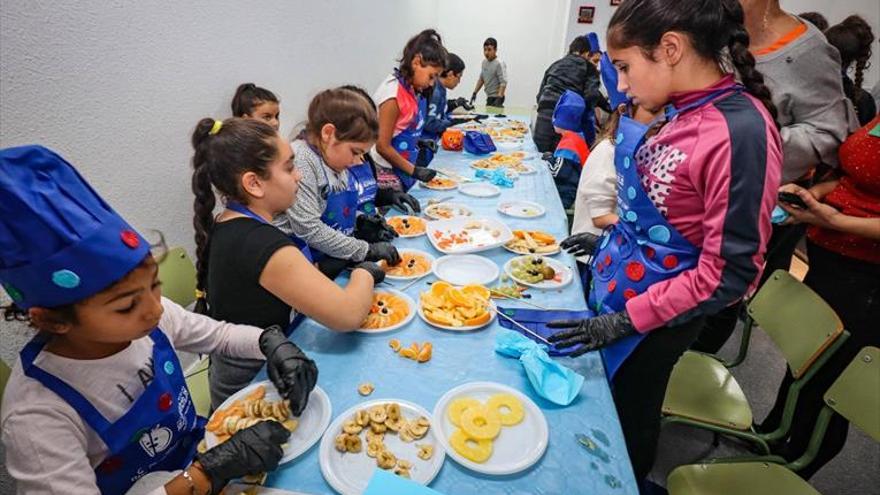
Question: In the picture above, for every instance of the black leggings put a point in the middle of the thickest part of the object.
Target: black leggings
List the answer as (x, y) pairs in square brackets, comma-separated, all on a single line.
[(640, 386), (852, 289)]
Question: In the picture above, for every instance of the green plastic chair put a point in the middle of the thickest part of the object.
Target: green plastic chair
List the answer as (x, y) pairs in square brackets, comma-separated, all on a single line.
[(178, 276), (199, 389), (703, 393), (855, 395), (5, 371)]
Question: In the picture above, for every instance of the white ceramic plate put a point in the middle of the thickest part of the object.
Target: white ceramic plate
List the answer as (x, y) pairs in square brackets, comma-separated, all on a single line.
[(456, 210), (523, 169), (407, 236), (349, 474), (426, 255), (515, 449), (479, 190), (465, 269), (460, 329), (563, 272), (555, 250), (425, 185), (521, 209), (402, 323), (312, 422), (482, 239)]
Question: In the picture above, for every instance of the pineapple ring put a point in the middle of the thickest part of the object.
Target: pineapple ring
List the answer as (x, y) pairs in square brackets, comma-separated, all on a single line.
[(474, 450), (509, 401), (481, 423), (458, 406)]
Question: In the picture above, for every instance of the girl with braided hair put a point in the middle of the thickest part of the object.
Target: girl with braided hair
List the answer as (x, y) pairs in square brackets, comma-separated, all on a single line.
[(853, 39), (694, 200)]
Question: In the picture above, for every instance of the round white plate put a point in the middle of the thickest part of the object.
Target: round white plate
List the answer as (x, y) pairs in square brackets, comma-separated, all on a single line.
[(458, 209), (312, 422), (516, 448), (560, 268), (428, 256), (508, 145), (465, 269), (402, 323), (521, 209), (349, 474), (460, 329), (479, 189), (438, 188), (407, 236)]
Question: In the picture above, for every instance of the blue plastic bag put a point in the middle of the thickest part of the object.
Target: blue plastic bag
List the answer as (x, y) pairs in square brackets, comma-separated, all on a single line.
[(551, 380)]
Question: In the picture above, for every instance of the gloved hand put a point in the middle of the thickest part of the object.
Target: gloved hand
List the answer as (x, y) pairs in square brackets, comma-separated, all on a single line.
[(459, 102), (592, 332), (331, 267), (473, 99), (548, 157), (291, 371), (583, 244), (252, 450), (424, 174), (371, 227), (383, 251), (373, 269), (428, 144), (499, 101), (397, 199)]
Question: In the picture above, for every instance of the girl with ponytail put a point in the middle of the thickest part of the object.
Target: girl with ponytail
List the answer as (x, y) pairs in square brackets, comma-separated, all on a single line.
[(253, 102), (248, 271), (695, 191)]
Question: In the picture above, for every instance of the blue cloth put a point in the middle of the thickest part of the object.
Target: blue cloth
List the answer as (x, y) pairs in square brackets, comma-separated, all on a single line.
[(609, 79), (549, 379), (60, 242), (778, 215), (159, 432), (478, 143), (346, 360), (438, 118), (593, 38), (569, 112), (498, 176)]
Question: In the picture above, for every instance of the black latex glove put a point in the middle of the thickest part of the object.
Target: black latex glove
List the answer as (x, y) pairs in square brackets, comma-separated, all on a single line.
[(428, 144), (592, 332), (583, 244), (473, 99), (292, 372), (383, 251), (397, 199), (373, 269), (424, 174), (548, 157), (459, 102), (331, 267), (499, 101), (371, 227), (253, 450)]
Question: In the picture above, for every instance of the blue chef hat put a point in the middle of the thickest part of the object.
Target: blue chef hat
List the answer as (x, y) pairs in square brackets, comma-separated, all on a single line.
[(59, 241), (569, 112), (609, 78), (593, 38)]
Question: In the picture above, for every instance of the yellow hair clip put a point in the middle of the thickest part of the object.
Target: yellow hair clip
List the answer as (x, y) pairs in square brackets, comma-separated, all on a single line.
[(216, 127)]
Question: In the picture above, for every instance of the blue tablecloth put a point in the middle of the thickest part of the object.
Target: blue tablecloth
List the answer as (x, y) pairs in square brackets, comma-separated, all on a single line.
[(346, 360)]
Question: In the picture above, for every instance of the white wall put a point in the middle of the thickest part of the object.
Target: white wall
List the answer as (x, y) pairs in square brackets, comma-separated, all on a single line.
[(117, 86), (528, 34)]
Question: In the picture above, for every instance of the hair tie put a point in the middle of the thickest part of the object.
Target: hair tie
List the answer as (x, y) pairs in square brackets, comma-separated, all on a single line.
[(216, 127)]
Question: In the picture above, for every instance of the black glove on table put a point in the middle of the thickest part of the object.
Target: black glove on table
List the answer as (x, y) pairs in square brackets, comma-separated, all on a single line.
[(373, 269), (424, 174), (397, 199), (253, 450), (371, 227), (583, 244), (292, 372), (383, 251), (592, 332)]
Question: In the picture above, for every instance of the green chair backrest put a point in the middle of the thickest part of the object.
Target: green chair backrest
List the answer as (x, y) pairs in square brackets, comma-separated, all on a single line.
[(855, 394), (178, 276), (798, 321), (5, 371)]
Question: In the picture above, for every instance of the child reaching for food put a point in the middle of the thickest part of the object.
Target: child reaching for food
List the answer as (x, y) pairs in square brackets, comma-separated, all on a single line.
[(98, 398)]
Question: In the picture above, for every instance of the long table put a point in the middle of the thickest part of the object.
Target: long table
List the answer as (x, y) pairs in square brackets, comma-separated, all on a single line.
[(346, 360)]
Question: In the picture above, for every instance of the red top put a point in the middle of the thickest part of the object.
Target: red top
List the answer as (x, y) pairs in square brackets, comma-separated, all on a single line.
[(858, 195)]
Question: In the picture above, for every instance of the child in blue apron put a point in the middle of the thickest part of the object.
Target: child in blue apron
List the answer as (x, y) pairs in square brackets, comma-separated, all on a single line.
[(253, 102), (403, 102), (98, 397), (251, 271), (571, 121), (694, 200), (335, 211)]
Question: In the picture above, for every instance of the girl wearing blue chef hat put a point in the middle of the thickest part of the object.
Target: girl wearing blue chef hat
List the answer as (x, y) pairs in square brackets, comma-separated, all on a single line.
[(98, 398)]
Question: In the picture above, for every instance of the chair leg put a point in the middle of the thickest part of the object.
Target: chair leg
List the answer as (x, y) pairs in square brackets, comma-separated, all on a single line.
[(716, 439)]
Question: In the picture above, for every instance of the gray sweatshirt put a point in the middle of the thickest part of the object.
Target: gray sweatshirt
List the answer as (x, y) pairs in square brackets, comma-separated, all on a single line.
[(815, 115), (304, 218), (494, 74)]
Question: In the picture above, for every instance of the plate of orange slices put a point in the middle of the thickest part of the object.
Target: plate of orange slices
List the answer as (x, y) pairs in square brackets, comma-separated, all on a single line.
[(391, 309), (407, 225), (440, 184), (414, 263), (456, 308)]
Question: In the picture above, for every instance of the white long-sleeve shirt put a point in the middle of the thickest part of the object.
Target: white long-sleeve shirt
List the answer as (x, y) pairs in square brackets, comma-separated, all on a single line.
[(50, 449), (597, 189)]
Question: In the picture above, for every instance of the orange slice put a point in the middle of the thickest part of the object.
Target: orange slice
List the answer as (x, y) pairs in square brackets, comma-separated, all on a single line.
[(478, 320), (477, 291), (439, 288)]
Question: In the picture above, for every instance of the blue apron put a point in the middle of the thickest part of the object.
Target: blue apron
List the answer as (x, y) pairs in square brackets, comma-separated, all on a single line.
[(340, 213), (407, 142), (642, 248), (299, 243), (159, 432), (365, 183)]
